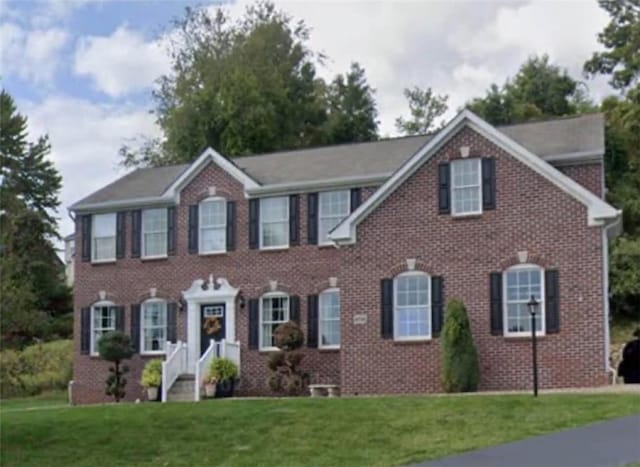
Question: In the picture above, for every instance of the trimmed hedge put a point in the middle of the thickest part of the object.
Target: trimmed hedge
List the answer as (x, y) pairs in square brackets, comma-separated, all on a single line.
[(36, 369), (460, 368)]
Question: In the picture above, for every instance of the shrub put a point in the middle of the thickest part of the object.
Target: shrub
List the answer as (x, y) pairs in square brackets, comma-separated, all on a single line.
[(114, 347), (152, 374), (460, 369), (285, 375), (288, 336), (223, 369), (37, 368)]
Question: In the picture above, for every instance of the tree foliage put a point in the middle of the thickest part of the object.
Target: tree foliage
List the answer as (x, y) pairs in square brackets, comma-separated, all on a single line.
[(114, 347), (250, 87), (460, 368), (425, 107)]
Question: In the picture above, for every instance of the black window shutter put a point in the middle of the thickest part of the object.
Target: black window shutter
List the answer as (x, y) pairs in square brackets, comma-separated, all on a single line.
[(294, 220), (193, 229), (489, 183), (85, 227), (312, 218), (444, 195), (172, 322), (386, 308), (231, 225), (552, 301), (437, 305), (135, 328), (85, 330), (254, 323), (120, 318), (312, 321), (171, 230), (136, 233), (254, 223), (294, 308), (120, 234), (495, 291), (356, 198)]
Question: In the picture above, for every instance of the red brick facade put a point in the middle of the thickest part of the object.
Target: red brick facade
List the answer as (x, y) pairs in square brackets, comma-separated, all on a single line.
[(531, 215)]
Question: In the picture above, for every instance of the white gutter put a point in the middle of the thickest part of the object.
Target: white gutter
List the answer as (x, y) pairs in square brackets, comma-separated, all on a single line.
[(311, 185), (125, 203), (609, 232), (575, 157)]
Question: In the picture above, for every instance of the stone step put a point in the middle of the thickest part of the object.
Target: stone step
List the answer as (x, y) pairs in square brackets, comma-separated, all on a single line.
[(183, 386), (180, 397), (186, 377)]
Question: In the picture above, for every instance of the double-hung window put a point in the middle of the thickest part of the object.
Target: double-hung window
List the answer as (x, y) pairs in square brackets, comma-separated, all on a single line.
[(274, 222), (520, 283), (153, 334), (466, 187), (274, 310), (333, 207), (154, 233), (329, 319), (103, 320), (104, 237), (213, 226), (412, 309)]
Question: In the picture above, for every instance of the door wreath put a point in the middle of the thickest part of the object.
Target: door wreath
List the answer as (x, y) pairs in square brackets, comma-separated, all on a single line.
[(211, 325)]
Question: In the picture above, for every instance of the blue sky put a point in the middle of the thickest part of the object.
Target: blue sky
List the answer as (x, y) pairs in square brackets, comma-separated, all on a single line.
[(83, 71)]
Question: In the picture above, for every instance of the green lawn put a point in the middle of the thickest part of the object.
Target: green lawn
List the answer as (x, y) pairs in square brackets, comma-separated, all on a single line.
[(47, 399), (341, 431)]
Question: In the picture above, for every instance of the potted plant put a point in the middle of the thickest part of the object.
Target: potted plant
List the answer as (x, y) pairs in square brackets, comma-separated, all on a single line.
[(152, 378), (225, 372), (210, 386)]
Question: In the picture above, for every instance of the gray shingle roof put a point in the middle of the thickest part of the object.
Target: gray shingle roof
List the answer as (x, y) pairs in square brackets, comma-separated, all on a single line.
[(583, 134)]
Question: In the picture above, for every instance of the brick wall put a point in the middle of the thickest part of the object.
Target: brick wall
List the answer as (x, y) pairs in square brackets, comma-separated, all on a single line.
[(531, 215)]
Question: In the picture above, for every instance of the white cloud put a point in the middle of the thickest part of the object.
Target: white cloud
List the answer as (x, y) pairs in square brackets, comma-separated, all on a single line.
[(122, 62), (32, 55), (85, 139)]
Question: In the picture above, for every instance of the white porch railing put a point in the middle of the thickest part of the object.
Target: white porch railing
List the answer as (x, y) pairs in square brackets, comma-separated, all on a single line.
[(216, 349), (173, 366)]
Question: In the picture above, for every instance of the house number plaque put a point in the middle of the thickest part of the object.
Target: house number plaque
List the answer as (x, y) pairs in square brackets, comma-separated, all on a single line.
[(359, 319)]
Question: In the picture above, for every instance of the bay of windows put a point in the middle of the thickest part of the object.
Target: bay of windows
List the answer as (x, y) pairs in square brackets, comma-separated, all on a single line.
[(520, 283), (412, 310), (103, 320), (333, 207), (154, 233), (329, 319), (274, 222), (274, 310), (466, 187), (103, 233), (213, 226), (154, 326)]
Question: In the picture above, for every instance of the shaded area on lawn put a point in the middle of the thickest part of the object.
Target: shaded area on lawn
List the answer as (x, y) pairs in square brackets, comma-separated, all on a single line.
[(346, 431)]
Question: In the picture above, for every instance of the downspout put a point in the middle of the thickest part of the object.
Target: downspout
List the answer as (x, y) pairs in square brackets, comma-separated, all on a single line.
[(608, 231)]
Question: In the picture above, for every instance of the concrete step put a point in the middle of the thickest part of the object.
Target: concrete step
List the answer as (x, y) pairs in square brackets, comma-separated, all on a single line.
[(183, 389)]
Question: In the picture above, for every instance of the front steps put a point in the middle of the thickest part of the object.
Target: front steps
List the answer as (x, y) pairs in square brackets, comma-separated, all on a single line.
[(183, 390)]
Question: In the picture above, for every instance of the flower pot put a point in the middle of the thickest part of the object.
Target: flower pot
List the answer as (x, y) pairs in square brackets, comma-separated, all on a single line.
[(152, 393), (210, 390), (225, 388)]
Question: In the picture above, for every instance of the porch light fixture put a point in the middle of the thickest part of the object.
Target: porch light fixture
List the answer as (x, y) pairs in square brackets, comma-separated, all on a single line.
[(533, 309), (241, 300)]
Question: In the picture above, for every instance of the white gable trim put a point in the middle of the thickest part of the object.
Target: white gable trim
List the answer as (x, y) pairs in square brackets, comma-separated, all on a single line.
[(598, 210)]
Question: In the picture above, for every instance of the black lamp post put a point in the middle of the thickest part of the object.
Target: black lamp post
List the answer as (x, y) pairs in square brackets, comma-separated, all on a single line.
[(533, 308)]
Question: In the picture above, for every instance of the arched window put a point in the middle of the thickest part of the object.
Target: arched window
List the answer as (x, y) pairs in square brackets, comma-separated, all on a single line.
[(329, 319), (213, 225), (412, 306), (274, 310), (153, 326), (103, 320), (520, 283)]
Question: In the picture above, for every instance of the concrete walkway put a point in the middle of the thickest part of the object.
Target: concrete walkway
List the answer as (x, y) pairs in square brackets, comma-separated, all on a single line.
[(612, 443)]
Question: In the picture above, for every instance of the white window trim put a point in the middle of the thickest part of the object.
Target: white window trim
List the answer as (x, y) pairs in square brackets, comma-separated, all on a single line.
[(93, 238), (261, 322), (540, 316), (142, 232), (201, 250), (284, 246), (425, 337), (142, 328), (328, 291), (453, 188), (328, 241), (92, 343)]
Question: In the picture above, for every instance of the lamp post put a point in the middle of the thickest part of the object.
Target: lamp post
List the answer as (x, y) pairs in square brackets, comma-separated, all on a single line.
[(533, 308)]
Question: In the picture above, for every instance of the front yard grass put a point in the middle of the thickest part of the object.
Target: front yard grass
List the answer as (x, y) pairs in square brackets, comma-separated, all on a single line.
[(323, 432)]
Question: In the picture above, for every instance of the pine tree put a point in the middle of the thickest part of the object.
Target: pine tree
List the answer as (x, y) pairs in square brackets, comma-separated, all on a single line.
[(460, 369)]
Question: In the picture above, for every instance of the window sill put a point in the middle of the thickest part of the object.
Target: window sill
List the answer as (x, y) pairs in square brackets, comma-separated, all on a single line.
[(98, 262), (268, 249), (268, 350), (153, 258), (426, 340), (329, 349), (326, 246), (473, 215), (213, 253), (522, 337)]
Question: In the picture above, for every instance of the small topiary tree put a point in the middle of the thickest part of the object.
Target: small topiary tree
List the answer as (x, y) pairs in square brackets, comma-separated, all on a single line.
[(115, 346), (284, 365), (460, 369)]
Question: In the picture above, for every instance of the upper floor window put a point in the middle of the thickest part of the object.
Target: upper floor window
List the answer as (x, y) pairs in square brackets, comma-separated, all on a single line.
[(329, 319), (411, 308), (274, 310), (213, 225), (333, 207), (466, 186), (103, 235), (274, 222), (520, 283), (154, 233), (103, 320), (153, 333)]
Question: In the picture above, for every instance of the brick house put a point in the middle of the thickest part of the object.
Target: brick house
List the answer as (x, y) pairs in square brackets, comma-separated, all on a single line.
[(362, 244)]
